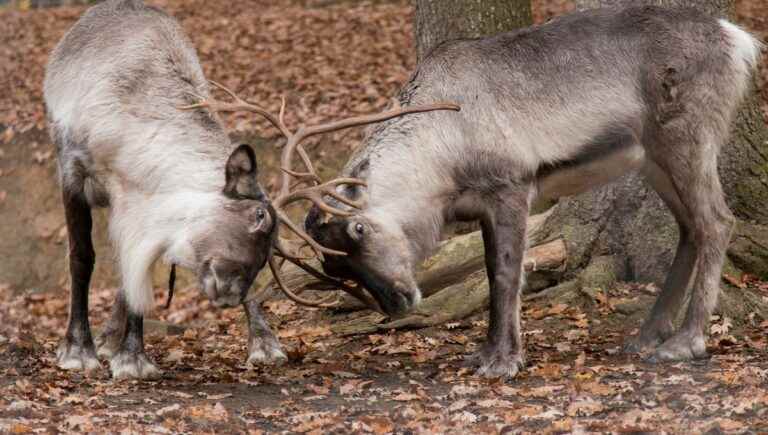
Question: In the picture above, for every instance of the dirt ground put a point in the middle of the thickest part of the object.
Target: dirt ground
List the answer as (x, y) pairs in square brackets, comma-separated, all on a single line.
[(330, 58)]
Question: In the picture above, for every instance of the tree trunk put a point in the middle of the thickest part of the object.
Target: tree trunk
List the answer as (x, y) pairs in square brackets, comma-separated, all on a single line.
[(437, 21)]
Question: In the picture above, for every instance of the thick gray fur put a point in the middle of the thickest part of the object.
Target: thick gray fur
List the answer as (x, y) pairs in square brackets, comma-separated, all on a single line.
[(178, 190), (554, 110)]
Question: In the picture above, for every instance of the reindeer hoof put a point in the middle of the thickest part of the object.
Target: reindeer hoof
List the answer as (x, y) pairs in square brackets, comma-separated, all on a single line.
[(71, 356), (107, 344), (498, 364), (681, 347), (645, 341), (265, 351), (125, 365)]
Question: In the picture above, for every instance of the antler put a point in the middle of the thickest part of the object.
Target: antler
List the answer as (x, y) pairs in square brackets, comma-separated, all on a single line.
[(313, 189)]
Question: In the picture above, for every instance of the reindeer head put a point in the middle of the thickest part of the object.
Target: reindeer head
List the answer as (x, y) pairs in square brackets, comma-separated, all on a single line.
[(232, 254), (228, 246), (379, 256)]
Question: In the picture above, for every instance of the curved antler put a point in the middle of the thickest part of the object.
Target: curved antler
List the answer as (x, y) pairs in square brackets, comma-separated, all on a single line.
[(313, 190)]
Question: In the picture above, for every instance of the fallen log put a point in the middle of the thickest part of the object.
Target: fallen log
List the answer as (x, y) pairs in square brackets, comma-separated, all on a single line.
[(454, 260), (463, 296), (453, 281)]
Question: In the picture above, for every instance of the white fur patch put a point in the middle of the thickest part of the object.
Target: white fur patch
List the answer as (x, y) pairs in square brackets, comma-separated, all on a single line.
[(745, 46), (745, 54)]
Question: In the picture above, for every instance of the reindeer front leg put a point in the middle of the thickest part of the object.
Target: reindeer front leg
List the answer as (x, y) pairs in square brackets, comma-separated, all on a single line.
[(263, 347), (130, 361), (504, 237)]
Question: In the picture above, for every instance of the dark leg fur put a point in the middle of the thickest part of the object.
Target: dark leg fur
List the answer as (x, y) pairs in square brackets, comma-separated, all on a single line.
[(76, 351), (108, 342), (130, 361), (504, 236), (263, 346)]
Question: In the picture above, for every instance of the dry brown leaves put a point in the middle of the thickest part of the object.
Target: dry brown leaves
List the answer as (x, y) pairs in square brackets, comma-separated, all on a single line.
[(333, 61), (412, 380), (328, 61)]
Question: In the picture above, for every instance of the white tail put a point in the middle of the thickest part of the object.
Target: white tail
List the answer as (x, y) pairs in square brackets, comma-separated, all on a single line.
[(746, 48)]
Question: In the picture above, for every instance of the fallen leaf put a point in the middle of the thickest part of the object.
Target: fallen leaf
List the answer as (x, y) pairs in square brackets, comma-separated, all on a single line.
[(584, 407), (406, 397)]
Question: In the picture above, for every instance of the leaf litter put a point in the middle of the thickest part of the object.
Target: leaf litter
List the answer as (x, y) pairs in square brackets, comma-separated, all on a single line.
[(336, 59)]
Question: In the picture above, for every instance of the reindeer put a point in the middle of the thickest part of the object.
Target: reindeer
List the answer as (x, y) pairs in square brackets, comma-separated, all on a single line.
[(176, 188), (136, 130), (548, 111)]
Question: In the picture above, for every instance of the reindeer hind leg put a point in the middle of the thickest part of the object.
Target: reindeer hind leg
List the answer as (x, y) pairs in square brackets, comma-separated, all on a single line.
[(692, 168), (659, 325)]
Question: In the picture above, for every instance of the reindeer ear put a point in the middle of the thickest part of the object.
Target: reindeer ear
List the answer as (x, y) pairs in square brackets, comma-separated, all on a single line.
[(241, 175)]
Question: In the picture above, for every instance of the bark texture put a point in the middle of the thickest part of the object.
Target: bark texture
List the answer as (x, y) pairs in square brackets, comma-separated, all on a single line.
[(437, 21)]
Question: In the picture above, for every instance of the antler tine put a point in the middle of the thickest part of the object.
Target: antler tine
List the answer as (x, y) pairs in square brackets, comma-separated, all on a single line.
[(282, 250), (343, 199), (302, 176), (228, 91), (323, 303), (356, 121), (318, 249), (281, 115), (316, 193), (307, 162), (238, 105), (355, 291)]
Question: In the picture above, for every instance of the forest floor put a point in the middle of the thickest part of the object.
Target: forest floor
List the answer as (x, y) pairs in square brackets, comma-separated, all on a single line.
[(398, 381), (334, 58)]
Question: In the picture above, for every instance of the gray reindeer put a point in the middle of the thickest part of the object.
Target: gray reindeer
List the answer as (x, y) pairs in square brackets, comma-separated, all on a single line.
[(177, 189), (552, 110)]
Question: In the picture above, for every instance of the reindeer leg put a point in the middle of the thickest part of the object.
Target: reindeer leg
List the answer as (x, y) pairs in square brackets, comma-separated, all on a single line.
[(660, 323), (504, 236), (108, 342), (712, 227), (691, 166), (130, 361), (76, 351), (263, 346)]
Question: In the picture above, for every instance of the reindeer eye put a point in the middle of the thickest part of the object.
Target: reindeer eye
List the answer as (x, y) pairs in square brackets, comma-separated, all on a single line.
[(260, 214), (359, 228)]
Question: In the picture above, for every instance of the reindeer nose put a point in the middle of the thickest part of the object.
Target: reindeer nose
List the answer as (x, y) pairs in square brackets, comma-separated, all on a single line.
[(409, 299)]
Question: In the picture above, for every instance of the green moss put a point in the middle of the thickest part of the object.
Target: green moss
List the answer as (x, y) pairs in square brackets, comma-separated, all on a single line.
[(600, 273)]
